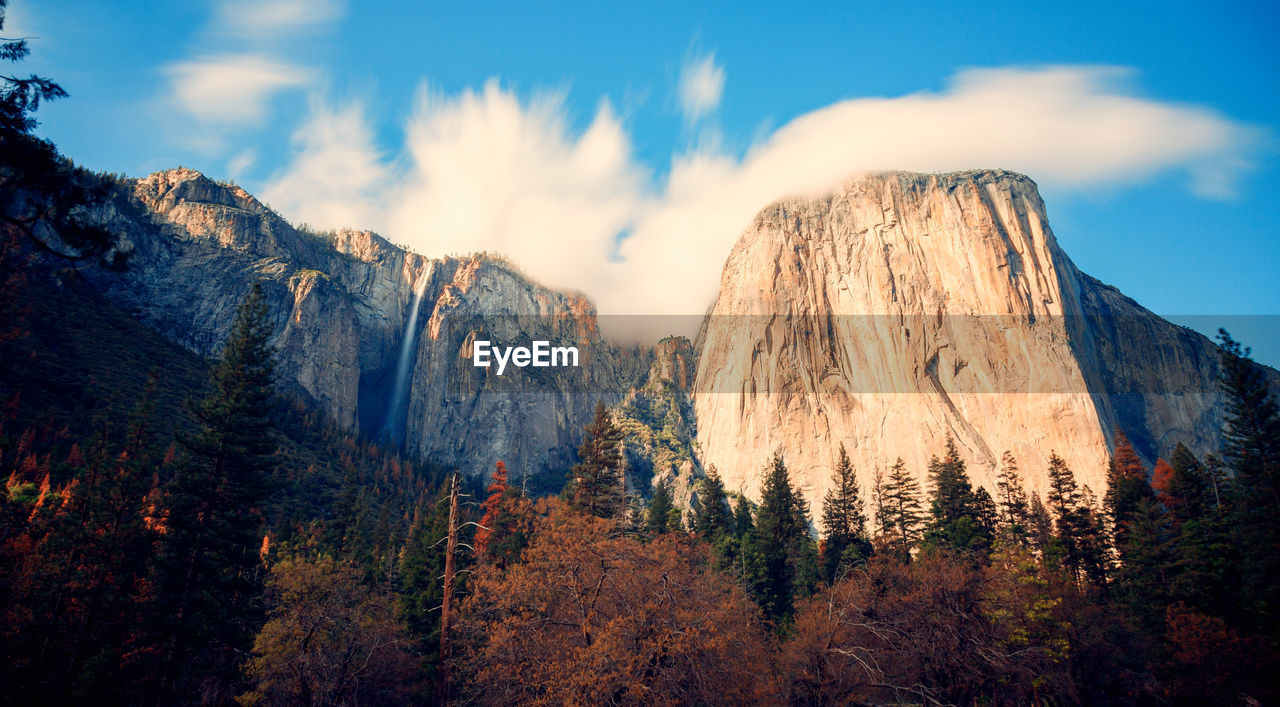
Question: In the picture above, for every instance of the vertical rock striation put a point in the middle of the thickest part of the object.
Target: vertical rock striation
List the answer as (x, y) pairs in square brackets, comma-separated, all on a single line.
[(194, 247), (904, 308)]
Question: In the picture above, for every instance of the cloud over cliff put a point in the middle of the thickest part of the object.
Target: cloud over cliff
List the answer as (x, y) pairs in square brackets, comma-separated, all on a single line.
[(487, 170)]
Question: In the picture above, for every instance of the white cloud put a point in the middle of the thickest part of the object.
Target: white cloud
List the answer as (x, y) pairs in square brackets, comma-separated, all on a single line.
[(232, 89), (238, 165), (271, 17), (337, 177), (701, 83), (486, 171), (232, 85)]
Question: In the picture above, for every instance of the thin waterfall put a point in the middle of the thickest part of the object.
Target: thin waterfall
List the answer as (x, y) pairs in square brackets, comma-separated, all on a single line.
[(393, 428)]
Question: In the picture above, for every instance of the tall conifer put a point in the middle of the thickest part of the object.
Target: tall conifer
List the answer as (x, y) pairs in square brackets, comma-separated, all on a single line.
[(210, 579)]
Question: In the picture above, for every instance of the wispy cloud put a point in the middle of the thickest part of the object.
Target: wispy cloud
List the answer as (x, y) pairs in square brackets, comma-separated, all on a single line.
[(232, 86), (488, 171), (338, 177), (701, 85), (232, 89), (238, 165), (271, 17)]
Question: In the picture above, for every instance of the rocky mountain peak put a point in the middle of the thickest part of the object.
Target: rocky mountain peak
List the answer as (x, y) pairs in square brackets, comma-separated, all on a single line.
[(904, 308)]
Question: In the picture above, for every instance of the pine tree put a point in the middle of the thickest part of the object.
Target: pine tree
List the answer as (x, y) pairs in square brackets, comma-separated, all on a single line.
[(901, 511), (743, 517), (1188, 494), (959, 517), (1252, 430), (1205, 562), (846, 543), (1011, 500), (712, 516), (1252, 450), (879, 504), (1142, 580), (1128, 487), (210, 572), (81, 585), (661, 508), (595, 482), (1039, 525), (786, 557), (732, 547), (1063, 498), (635, 518), (1092, 542)]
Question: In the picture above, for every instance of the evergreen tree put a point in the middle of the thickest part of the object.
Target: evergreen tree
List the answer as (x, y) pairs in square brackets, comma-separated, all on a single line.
[(1252, 450), (1204, 559), (960, 517), (31, 166), (1128, 488), (499, 486), (712, 517), (210, 579), (1092, 541), (986, 516), (1252, 430), (422, 578), (661, 509), (1063, 498), (1039, 525), (846, 543), (901, 511), (1142, 579), (1011, 500), (1188, 493), (732, 547), (595, 482), (743, 517), (635, 518), (879, 505), (784, 552)]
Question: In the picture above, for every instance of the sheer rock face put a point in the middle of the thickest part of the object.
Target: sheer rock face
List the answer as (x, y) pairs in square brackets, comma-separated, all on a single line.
[(341, 303), (904, 308), (894, 312)]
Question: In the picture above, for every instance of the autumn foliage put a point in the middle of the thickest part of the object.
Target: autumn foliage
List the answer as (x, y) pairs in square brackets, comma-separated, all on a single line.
[(590, 617)]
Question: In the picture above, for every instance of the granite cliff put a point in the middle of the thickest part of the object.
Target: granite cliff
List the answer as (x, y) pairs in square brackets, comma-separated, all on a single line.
[(903, 308), (343, 303), (887, 315)]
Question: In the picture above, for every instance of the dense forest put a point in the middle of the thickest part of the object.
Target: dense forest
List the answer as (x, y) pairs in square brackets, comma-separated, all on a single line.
[(175, 530)]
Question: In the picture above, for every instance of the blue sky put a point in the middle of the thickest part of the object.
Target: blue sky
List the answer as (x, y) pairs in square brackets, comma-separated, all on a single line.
[(351, 115)]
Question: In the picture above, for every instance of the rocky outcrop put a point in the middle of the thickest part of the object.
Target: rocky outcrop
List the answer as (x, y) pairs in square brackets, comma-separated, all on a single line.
[(529, 417), (658, 426), (341, 303), (904, 308)]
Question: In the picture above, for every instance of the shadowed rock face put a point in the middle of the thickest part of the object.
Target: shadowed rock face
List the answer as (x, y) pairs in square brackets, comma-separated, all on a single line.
[(341, 303), (904, 308)]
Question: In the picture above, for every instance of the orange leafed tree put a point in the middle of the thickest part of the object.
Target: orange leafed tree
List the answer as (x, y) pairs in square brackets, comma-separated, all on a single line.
[(506, 524), (492, 507), (589, 617)]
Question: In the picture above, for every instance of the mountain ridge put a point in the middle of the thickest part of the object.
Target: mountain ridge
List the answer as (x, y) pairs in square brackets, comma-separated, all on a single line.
[(343, 301)]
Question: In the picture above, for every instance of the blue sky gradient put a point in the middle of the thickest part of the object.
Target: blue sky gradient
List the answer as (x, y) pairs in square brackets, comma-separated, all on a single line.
[(1167, 246)]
